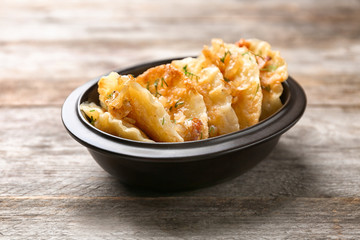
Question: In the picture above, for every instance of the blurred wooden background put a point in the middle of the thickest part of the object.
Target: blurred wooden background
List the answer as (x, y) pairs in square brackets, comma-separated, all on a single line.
[(50, 188)]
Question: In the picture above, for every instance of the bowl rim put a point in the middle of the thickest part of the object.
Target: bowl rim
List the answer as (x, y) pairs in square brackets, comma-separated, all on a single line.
[(95, 139)]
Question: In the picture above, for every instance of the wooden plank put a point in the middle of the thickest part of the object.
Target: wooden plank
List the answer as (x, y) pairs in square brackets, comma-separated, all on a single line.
[(39, 158), (321, 90), (86, 47), (179, 218), (68, 21), (50, 188)]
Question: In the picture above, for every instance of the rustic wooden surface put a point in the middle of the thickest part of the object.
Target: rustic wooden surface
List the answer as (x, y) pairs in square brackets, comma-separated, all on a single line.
[(50, 188)]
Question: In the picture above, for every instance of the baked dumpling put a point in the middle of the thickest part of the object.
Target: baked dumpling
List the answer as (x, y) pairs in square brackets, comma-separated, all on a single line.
[(273, 71), (210, 84), (241, 73), (180, 98), (104, 121), (127, 99)]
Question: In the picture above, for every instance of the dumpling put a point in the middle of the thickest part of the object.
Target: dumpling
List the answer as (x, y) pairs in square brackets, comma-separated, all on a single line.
[(104, 121), (127, 99), (210, 84), (179, 97), (241, 74), (106, 86), (273, 71)]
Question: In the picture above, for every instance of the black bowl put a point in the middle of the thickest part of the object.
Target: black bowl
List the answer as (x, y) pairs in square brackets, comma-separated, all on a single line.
[(180, 166)]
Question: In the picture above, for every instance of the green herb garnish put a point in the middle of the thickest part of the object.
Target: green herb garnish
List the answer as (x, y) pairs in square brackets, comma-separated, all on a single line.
[(189, 74), (156, 87), (211, 129), (92, 120), (92, 110), (148, 86), (163, 121), (170, 108), (269, 68), (257, 89), (224, 57), (226, 79), (178, 103), (162, 82)]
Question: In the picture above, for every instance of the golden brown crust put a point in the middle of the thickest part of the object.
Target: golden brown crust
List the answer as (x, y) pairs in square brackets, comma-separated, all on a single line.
[(181, 100)]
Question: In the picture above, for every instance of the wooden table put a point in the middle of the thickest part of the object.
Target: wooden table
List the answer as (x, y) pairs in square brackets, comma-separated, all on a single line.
[(50, 188)]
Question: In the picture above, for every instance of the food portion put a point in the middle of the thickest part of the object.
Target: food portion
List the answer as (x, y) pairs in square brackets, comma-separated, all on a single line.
[(108, 123), (241, 73), (126, 99), (273, 71), (210, 84), (177, 93), (228, 87)]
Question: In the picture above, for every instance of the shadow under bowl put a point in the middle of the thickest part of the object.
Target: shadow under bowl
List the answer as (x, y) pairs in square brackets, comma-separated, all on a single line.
[(180, 166)]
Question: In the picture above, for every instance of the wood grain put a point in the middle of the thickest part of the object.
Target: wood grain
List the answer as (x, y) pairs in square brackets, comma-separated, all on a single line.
[(50, 188), (195, 218)]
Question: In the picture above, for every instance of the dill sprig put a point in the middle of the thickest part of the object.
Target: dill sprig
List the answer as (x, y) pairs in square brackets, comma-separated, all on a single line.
[(163, 81), (189, 74), (257, 89), (178, 103), (211, 129), (269, 68), (156, 87), (227, 53)]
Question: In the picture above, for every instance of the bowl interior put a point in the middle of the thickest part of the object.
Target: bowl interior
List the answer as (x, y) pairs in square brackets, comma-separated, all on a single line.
[(91, 95)]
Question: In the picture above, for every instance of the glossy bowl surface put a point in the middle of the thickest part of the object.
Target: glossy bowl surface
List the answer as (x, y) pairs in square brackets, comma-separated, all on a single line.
[(180, 166)]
